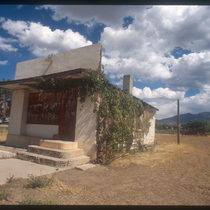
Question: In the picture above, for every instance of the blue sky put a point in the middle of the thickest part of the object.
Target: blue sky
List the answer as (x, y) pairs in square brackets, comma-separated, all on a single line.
[(165, 48)]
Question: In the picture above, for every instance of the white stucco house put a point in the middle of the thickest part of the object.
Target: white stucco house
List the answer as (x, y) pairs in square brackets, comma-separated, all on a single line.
[(35, 118)]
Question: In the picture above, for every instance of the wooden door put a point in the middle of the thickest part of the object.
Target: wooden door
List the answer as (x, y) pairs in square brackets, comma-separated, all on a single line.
[(67, 116)]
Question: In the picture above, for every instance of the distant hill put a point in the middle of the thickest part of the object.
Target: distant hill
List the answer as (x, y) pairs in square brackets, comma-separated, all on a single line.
[(184, 118)]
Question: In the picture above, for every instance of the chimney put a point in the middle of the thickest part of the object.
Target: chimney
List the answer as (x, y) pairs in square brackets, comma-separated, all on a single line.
[(128, 83)]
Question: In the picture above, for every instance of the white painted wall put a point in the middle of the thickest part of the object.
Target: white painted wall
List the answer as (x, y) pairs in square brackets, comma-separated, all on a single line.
[(18, 114), (86, 57), (42, 131), (85, 132), (150, 137)]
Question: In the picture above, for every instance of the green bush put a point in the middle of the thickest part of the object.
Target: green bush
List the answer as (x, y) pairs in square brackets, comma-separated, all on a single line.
[(197, 124)]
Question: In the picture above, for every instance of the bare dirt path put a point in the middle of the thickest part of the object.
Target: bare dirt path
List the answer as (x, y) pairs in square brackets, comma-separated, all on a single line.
[(169, 174)]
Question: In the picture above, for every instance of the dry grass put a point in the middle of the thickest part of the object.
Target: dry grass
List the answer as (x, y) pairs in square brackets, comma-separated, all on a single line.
[(3, 133), (51, 194), (58, 186), (3, 137), (166, 150), (3, 128)]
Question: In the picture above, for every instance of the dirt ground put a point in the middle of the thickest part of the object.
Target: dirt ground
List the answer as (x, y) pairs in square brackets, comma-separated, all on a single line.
[(169, 174)]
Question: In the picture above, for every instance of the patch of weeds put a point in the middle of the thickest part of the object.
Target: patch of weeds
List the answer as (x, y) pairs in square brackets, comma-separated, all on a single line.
[(10, 179), (38, 182), (29, 201), (4, 195)]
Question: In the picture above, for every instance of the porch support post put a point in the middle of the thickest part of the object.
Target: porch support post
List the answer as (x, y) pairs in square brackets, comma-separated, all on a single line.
[(18, 113)]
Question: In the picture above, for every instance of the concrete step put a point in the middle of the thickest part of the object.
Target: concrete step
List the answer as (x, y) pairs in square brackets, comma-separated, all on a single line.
[(58, 153), (59, 144), (85, 166), (53, 161)]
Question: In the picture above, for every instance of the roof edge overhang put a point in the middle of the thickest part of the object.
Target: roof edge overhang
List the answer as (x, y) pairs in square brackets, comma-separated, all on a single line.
[(19, 84)]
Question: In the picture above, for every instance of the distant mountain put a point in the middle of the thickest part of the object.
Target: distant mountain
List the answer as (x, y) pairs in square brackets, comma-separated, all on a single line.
[(184, 118)]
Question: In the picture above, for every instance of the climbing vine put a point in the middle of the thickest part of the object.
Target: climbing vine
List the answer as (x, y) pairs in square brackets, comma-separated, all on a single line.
[(115, 110)]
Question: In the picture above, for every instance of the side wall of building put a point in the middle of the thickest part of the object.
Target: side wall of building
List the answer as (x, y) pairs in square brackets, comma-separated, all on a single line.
[(85, 132), (149, 138), (141, 138), (88, 57)]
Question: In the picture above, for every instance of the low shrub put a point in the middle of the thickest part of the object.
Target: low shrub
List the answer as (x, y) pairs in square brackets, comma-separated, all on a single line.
[(10, 179), (38, 182)]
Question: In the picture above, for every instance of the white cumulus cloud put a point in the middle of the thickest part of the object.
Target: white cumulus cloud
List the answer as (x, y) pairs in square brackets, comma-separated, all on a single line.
[(41, 40), (165, 100), (91, 14), (193, 104), (3, 62), (5, 46), (126, 51), (2, 19), (161, 93), (199, 101), (191, 71), (144, 49)]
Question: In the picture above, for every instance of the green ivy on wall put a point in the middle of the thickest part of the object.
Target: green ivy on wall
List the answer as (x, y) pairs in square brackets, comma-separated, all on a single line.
[(115, 110)]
